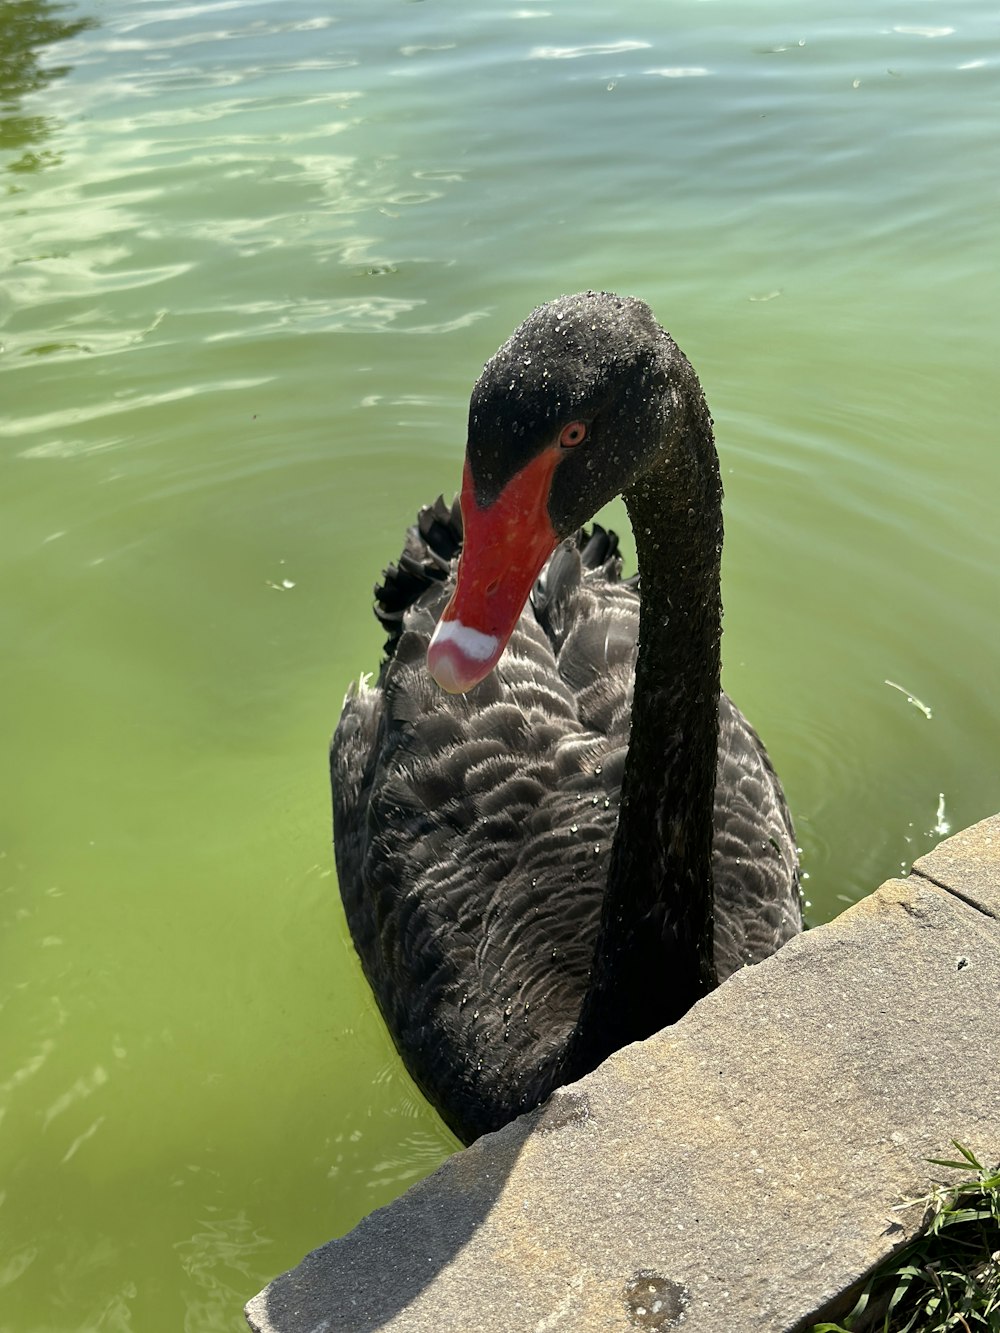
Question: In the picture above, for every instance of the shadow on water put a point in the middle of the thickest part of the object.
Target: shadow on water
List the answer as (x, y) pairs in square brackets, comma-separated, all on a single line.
[(27, 28)]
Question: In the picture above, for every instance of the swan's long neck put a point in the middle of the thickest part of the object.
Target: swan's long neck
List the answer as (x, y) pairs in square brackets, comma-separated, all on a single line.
[(654, 955)]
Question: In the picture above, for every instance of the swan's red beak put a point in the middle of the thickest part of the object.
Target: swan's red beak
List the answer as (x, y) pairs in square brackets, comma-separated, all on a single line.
[(504, 548)]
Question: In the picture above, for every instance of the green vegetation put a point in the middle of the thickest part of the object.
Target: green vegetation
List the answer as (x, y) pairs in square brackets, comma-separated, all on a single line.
[(947, 1279)]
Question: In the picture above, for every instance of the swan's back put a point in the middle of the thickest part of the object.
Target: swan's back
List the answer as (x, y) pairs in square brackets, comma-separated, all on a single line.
[(473, 831)]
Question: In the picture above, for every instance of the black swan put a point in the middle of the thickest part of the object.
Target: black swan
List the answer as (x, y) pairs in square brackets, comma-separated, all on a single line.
[(567, 840)]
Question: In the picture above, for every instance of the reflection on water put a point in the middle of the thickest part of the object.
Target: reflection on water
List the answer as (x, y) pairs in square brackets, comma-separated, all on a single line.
[(219, 1262), (27, 29)]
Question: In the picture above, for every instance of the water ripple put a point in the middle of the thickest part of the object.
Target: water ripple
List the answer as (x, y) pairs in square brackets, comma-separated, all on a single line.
[(219, 1262), (919, 30), (578, 52), (81, 1139), (16, 1263), (85, 1086), (372, 314), (49, 421), (30, 1067), (681, 72)]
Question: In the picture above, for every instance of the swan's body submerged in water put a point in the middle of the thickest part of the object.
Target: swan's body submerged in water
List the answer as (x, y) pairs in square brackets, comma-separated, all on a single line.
[(559, 843)]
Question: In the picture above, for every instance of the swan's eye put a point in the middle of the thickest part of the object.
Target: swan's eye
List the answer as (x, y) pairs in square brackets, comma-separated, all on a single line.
[(573, 434)]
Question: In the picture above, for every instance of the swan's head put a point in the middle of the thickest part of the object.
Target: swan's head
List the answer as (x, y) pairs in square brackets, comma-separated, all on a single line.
[(567, 414)]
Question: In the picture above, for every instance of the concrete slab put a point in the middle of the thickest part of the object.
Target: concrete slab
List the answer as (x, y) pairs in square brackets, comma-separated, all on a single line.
[(736, 1172), (968, 865)]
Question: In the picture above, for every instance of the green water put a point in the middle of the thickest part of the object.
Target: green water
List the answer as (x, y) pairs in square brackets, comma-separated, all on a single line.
[(253, 256)]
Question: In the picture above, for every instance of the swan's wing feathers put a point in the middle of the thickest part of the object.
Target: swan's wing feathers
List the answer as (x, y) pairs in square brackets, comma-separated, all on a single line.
[(591, 619), (754, 860), (586, 560), (597, 656), (353, 750), (599, 550), (431, 544), (473, 851)]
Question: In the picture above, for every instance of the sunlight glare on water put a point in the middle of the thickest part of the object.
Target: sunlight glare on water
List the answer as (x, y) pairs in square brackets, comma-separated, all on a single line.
[(254, 256)]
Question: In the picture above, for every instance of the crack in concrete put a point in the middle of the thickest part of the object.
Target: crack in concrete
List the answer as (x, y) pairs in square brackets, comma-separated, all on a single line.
[(955, 893)]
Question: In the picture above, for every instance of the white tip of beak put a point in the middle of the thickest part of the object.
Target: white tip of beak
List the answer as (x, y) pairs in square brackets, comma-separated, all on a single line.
[(459, 656)]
